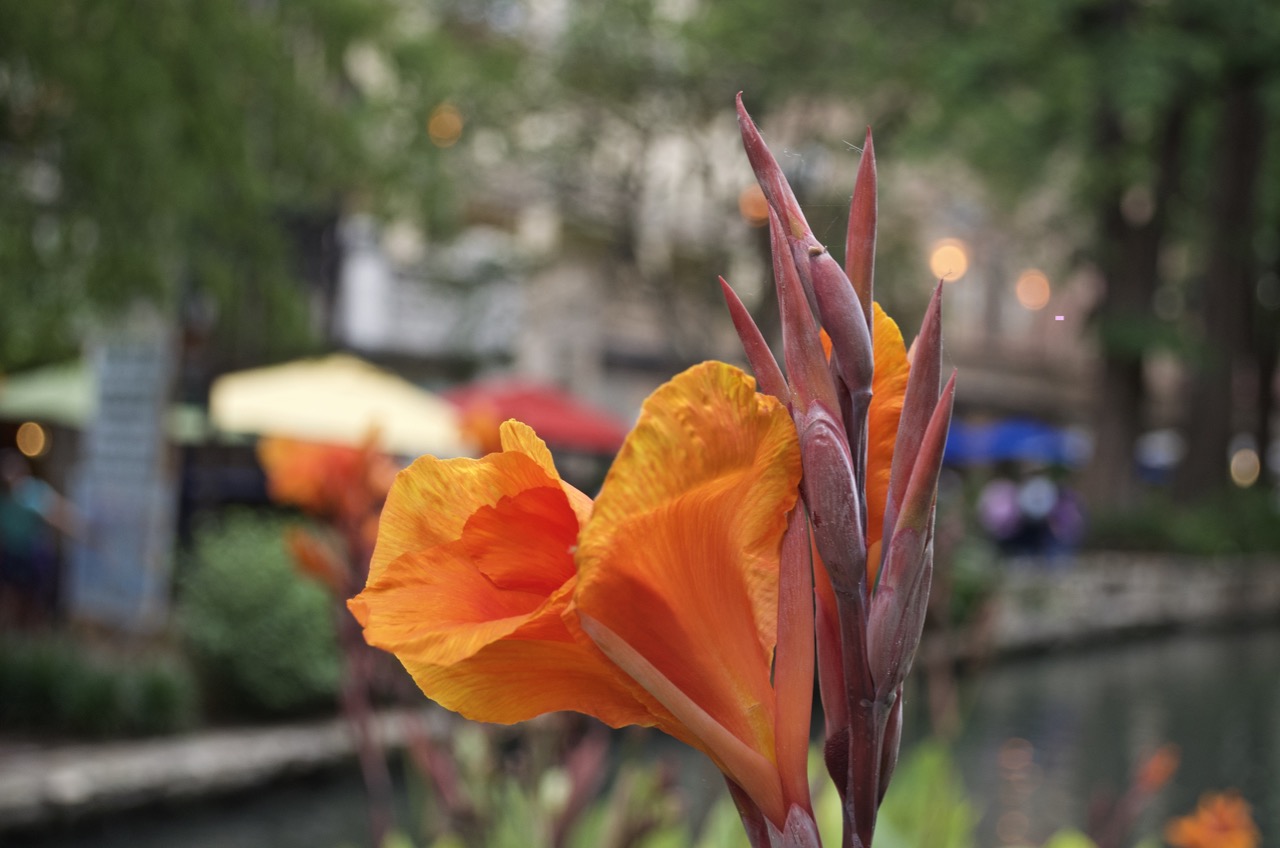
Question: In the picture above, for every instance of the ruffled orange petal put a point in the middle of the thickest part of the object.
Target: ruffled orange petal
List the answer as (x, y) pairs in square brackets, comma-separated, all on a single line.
[(887, 390), (518, 436), (525, 541), (432, 500), (436, 604), (680, 559)]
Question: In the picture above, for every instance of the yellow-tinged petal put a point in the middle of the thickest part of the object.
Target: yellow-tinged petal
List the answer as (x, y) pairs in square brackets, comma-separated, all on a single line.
[(680, 558), (887, 391), (432, 500), (518, 436)]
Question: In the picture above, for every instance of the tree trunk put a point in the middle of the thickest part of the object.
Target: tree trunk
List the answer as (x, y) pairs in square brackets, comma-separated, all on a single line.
[(1228, 287), (1129, 253)]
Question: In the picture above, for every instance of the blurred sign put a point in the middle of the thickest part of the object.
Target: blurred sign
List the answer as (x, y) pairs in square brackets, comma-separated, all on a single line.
[(125, 487)]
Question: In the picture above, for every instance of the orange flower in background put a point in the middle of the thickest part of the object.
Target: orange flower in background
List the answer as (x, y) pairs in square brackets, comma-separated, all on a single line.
[(1222, 820), (1158, 769), (308, 475), (325, 480), (480, 426), (497, 584)]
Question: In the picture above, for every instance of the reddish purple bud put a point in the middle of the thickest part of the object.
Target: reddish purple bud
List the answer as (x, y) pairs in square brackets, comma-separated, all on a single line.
[(842, 318), (800, 830), (893, 618), (763, 363), (860, 242), (832, 500), (922, 490), (901, 598), (793, 660), (892, 741), (917, 406), (769, 174), (801, 345)]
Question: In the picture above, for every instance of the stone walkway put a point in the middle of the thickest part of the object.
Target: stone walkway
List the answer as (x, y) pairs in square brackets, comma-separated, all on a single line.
[(39, 784)]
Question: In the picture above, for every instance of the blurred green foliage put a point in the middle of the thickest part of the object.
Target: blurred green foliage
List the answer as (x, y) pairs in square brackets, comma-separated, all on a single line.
[(1241, 521), (926, 805), (53, 684), (641, 807), (261, 636), (974, 576), (174, 153)]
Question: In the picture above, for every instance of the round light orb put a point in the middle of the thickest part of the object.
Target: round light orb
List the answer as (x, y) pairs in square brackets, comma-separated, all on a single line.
[(949, 260), (1032, 289)]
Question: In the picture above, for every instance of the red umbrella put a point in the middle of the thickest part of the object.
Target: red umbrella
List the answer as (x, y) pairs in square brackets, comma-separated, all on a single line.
[(559, 418)]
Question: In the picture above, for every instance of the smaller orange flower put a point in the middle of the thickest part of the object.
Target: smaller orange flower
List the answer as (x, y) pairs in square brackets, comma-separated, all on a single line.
[(1159, 768), (1222, 820), (325, 480)]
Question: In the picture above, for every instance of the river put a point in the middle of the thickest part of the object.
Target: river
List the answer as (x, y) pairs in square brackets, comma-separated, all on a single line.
[(1090, 716)]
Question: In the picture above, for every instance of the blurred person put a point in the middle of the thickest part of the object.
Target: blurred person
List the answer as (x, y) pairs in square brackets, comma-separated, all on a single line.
[(30, 510), (998, 511), (1037, 496), (1067, 520)]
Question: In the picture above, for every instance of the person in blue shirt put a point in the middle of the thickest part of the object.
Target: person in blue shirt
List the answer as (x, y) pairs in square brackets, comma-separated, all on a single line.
[(30, 511)]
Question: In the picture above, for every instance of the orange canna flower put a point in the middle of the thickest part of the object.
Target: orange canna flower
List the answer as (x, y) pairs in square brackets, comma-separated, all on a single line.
[(308, 475), (325, 480), (480, 426), (507, 593), (1222, 820)]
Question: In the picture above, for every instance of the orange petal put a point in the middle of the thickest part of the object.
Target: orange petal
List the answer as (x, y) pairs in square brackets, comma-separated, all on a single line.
[(518, 436), (525, 541), (437, 605), (516, 679), (887, 391), (680, 559), (432, 500), (511, 670)]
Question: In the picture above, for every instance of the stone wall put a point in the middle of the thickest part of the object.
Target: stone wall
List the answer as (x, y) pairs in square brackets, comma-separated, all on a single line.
[(1042, 604)]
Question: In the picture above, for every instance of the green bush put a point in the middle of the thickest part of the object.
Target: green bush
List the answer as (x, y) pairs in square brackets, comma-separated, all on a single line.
[(52, 684), (1236, 522), (261, 635)]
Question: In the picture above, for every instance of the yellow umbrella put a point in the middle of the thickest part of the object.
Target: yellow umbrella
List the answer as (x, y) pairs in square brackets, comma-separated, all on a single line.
[(336, 399)]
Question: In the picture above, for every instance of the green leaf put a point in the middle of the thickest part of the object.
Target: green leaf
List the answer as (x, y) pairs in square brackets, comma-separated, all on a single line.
[(1069, 839)]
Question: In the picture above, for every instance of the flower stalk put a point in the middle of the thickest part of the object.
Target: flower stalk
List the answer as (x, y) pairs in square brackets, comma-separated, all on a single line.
[(870, 596)]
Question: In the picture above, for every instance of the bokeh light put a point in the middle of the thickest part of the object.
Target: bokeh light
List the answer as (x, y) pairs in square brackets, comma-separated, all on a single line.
[(445, 125), (32, 439), (1032, 289), (1245, 467), (752, 206), (949, 260)]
